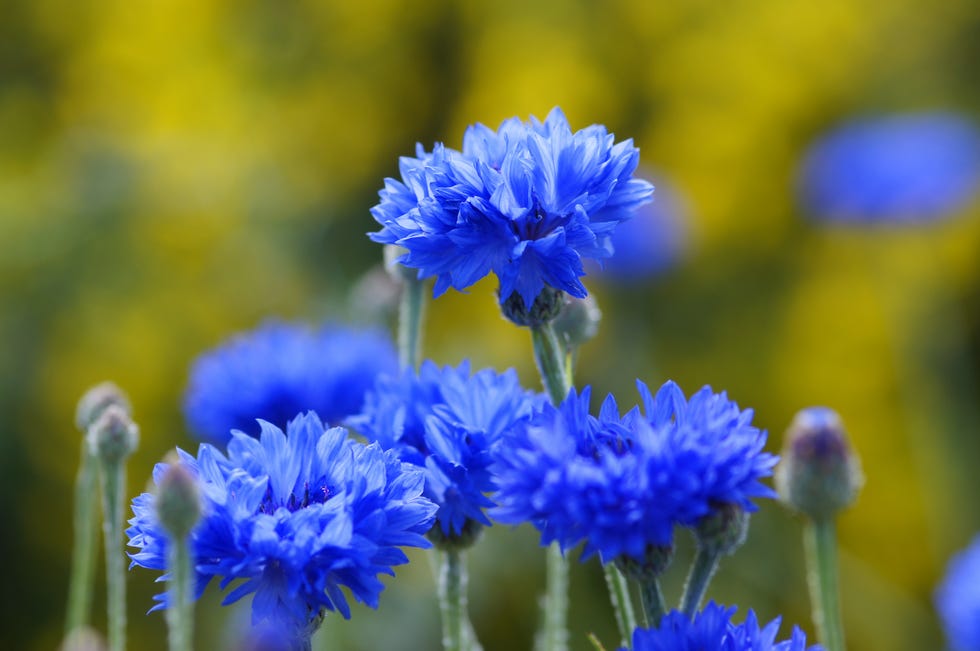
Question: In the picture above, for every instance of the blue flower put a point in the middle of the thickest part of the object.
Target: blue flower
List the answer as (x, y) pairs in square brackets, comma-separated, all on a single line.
[(620, 484), (280, 370), (713, 630), (526, 202), (295, 517), (958, 599), (909, 168), (447, 420)]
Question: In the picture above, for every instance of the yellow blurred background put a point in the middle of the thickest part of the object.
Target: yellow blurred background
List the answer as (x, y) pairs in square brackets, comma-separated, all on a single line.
[(172, 172)]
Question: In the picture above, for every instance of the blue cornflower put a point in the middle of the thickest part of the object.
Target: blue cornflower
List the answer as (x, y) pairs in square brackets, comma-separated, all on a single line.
[(958, 599), (620, 484), (446, 421), (280, 370), (295, 517), (713, 630), (909, 168), (527, 202)]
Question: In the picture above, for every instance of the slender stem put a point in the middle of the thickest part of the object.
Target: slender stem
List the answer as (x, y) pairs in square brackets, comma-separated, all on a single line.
[(113, 482), (180, 614), (653, 602), (554, 636), (702, 569), (84, 551), (820, 541), (619, 592), (452, 599), (551, 361), (410, 315)]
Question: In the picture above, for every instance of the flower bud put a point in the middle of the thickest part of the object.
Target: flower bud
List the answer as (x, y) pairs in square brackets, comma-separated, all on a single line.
[(93, 403), (113, 436), (545, 308), (83, 639), (656, 559), (819, 474), (578, 321), (178, 501), (723, 530)]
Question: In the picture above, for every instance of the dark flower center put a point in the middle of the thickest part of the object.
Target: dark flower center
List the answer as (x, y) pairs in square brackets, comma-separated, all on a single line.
[(317, 494)]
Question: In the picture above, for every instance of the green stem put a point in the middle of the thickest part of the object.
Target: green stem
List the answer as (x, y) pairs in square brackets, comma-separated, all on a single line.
[(84, 551), (702, 569), (410, 315), (551, 361), (113, 482), (619, 592), (820, 541), (554, 637), (452, 599), (653, 602), (180, 614)]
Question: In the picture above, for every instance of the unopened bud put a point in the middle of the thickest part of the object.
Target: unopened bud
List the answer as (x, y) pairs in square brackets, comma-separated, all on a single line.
[(723, 530), (83, 639), (578, 321), (113, 436), (178, 500), (656, 559), (545, 308), (819, 474), (94, 402)]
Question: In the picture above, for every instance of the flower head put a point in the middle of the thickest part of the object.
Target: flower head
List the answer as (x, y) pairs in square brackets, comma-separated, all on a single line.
[(712, 630), (295, 516), (527, 202), (620, 484), (446, 420), (958, 599), (280, 370), (910, 168)]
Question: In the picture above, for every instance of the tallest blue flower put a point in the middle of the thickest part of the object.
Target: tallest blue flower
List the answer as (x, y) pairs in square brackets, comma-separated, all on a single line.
[(527, 202)]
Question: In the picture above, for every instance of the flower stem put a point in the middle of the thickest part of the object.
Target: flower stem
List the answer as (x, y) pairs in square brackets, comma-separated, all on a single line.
[(180, 615), (84, 556), (554, 636), (113, 483), (702, 569), (619, 592), (410, 315), (820, 541), (653, 602), (452, 599), (551, 361), (555, 374)]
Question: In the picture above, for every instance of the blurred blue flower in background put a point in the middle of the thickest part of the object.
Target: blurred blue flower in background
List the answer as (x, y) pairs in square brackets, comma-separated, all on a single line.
[(712, 629), (650, 243), (958, 599), (906, 168), (296, 516), (280, 370), (620, 484), (527, 202), (446, 421)]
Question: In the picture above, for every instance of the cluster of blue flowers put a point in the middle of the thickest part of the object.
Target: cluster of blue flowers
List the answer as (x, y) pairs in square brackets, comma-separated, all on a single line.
[(281, 370), (527, 202), (713, 630), (295, 516), (621, 483), (446, 420)]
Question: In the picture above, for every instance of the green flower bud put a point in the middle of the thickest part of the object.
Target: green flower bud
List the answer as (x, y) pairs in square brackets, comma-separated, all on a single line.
[(578, 321), (93, 403), (723, 530), (113, 436), (83, 639), (655, 561), (545, 308), (819, 474), (178, 501)]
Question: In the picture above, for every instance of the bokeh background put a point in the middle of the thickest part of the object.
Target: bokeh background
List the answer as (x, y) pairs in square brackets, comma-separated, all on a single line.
[(172, 172)]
